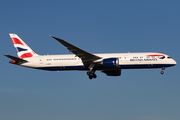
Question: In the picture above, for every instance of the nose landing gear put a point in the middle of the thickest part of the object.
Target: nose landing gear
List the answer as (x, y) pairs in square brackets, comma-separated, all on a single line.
[(162, 72)]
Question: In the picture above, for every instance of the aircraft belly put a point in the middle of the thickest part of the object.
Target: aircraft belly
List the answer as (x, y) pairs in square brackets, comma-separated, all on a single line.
[(140, 66)]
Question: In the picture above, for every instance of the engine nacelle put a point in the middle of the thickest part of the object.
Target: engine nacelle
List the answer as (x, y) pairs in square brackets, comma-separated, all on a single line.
[(112, 72), (111, 63)]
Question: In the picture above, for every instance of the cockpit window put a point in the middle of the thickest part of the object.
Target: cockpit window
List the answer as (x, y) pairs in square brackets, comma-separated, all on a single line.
[(169, 57)]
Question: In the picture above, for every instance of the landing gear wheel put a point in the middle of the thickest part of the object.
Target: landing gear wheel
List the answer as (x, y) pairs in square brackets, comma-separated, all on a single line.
[(162, 72), (91, 74), (95, 76), (90, 77)]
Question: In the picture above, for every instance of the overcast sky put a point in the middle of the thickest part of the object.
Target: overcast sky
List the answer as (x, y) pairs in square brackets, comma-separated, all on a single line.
[(104, 26)]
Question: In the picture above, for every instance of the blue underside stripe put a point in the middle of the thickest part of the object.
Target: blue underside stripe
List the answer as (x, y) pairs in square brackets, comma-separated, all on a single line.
[(55, 68)]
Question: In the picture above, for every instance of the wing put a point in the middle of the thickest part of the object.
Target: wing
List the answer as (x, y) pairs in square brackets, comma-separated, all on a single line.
[(86, 57)]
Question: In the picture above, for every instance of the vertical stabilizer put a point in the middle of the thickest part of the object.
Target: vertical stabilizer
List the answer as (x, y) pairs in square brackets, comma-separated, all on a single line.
[(23, 50)]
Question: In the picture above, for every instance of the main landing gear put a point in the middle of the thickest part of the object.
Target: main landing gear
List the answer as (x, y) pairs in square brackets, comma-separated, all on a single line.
[(163, 68), (91, 74)]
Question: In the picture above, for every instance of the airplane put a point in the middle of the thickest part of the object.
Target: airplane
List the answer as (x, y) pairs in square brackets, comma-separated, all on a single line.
[(109, 63)]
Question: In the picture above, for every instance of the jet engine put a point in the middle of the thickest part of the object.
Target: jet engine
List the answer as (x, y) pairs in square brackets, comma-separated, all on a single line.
[(110, 63)]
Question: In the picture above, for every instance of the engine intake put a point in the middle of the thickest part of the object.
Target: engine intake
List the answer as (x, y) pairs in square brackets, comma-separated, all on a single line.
[(111, 63)]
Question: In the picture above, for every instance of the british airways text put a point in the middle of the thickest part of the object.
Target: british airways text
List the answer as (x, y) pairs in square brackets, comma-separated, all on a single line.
[(145, 59)]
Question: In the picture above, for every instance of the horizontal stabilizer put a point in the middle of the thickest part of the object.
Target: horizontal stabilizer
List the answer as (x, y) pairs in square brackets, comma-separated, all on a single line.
[(15, 58)]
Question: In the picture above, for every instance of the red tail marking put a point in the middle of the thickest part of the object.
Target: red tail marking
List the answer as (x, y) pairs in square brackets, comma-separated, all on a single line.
[(25, 55), (16, 41)]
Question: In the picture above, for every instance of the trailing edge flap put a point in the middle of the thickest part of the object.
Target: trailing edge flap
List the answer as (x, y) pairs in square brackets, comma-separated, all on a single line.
[(15, 58)]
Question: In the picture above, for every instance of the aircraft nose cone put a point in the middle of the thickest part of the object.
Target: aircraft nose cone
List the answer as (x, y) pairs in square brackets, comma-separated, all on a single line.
[(174, 62)]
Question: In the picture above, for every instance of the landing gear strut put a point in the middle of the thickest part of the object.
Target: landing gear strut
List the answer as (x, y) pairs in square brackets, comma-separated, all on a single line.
[(163, 68)]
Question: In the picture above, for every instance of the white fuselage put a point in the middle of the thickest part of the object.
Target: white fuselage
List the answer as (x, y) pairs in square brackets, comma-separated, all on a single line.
[(126, 61), (109, 63)]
